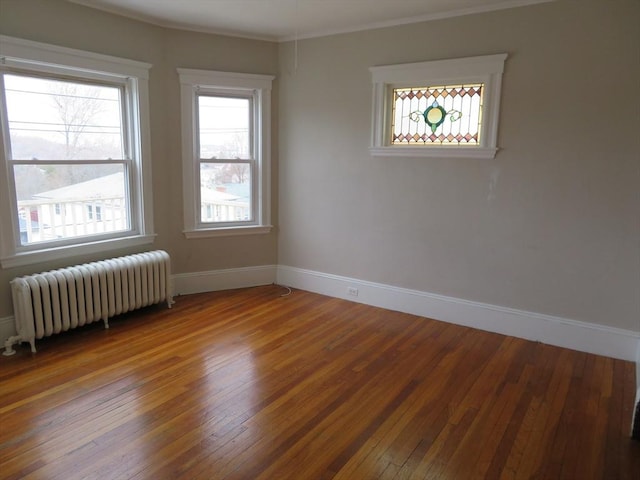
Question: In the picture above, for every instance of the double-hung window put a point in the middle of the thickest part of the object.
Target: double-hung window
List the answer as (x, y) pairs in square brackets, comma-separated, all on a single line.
[(226, 151), (74, 140)]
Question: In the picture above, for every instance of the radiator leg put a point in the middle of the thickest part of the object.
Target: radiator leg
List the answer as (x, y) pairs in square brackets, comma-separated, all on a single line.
[(106, 324), (9, 343)]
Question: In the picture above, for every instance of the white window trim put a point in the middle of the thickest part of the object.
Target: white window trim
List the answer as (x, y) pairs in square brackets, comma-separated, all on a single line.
[(44, 58), (190, 81), (485, 69)]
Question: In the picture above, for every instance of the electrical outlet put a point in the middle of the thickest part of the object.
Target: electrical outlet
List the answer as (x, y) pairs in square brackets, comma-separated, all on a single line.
[(352, 291)]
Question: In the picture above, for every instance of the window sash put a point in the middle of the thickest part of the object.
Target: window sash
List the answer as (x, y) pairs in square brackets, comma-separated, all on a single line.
[(126, 98), (127, 164), (253, 211), (251, 124), (123, 206), (252, 161)]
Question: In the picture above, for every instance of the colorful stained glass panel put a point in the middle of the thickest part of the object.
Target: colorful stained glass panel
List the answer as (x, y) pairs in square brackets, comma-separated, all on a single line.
[(437, 115)]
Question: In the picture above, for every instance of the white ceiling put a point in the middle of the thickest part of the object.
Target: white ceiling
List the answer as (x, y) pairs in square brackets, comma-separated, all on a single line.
[(281, 20)]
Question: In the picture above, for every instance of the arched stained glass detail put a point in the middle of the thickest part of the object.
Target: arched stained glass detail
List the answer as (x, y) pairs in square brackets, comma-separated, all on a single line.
[(437, 115)]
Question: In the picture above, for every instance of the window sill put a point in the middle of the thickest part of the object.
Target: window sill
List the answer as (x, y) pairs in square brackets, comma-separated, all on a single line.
[(434, 152), (227, 231), (50, 254)]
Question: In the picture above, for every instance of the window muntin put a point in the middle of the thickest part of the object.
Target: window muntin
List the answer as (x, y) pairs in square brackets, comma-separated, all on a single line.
[(226, 152), (72, 148), (437, 115)]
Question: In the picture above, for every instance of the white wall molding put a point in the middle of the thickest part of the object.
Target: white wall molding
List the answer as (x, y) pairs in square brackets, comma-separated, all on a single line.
[(562, 332), (214, 280), (7, 328)]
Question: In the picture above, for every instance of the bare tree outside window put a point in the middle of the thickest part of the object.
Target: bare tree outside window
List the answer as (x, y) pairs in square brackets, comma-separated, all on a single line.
[(77, 107), (239, 172)]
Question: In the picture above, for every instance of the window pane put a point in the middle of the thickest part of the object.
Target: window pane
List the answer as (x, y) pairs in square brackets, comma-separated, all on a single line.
[(445, 115), (224, 127), (58, 202), (53, 119), (225, 193)]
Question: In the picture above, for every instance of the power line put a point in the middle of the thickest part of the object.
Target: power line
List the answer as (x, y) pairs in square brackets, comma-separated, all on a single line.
[(62, 95), (65, 124)]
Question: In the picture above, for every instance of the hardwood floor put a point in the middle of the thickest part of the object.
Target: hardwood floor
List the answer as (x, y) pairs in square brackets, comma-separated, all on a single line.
[(250, 384)]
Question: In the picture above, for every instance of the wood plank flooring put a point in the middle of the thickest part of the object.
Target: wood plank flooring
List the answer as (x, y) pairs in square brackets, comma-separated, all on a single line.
[(250, 384)]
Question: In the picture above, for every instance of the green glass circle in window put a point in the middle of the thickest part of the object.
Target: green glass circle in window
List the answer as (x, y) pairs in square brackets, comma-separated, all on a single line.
[(434, 116)]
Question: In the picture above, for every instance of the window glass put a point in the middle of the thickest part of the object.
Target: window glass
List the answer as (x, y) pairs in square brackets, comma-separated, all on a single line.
[(224, 127), (442, 115), (55, 119), (70, 201), (225, 194)]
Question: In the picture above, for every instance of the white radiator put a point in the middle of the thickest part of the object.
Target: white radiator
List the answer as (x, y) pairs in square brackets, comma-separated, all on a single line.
[(48, 303)]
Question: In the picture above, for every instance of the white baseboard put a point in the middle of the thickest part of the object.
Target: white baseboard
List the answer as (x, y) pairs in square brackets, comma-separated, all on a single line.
[(577, 335), (211, 281), (562, 332), (7, 329)]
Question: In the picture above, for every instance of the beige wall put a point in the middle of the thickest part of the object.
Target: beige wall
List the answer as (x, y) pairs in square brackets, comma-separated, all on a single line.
[(70, 25), (550, 226)]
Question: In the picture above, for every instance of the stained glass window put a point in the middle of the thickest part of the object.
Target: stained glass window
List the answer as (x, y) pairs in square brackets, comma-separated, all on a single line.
[(439, 109), (437, 115)]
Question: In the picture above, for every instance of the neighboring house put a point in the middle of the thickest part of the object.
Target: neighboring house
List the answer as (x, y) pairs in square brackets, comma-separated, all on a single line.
[(226, 203), (26, 227), (85, 208), (98, 206)]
